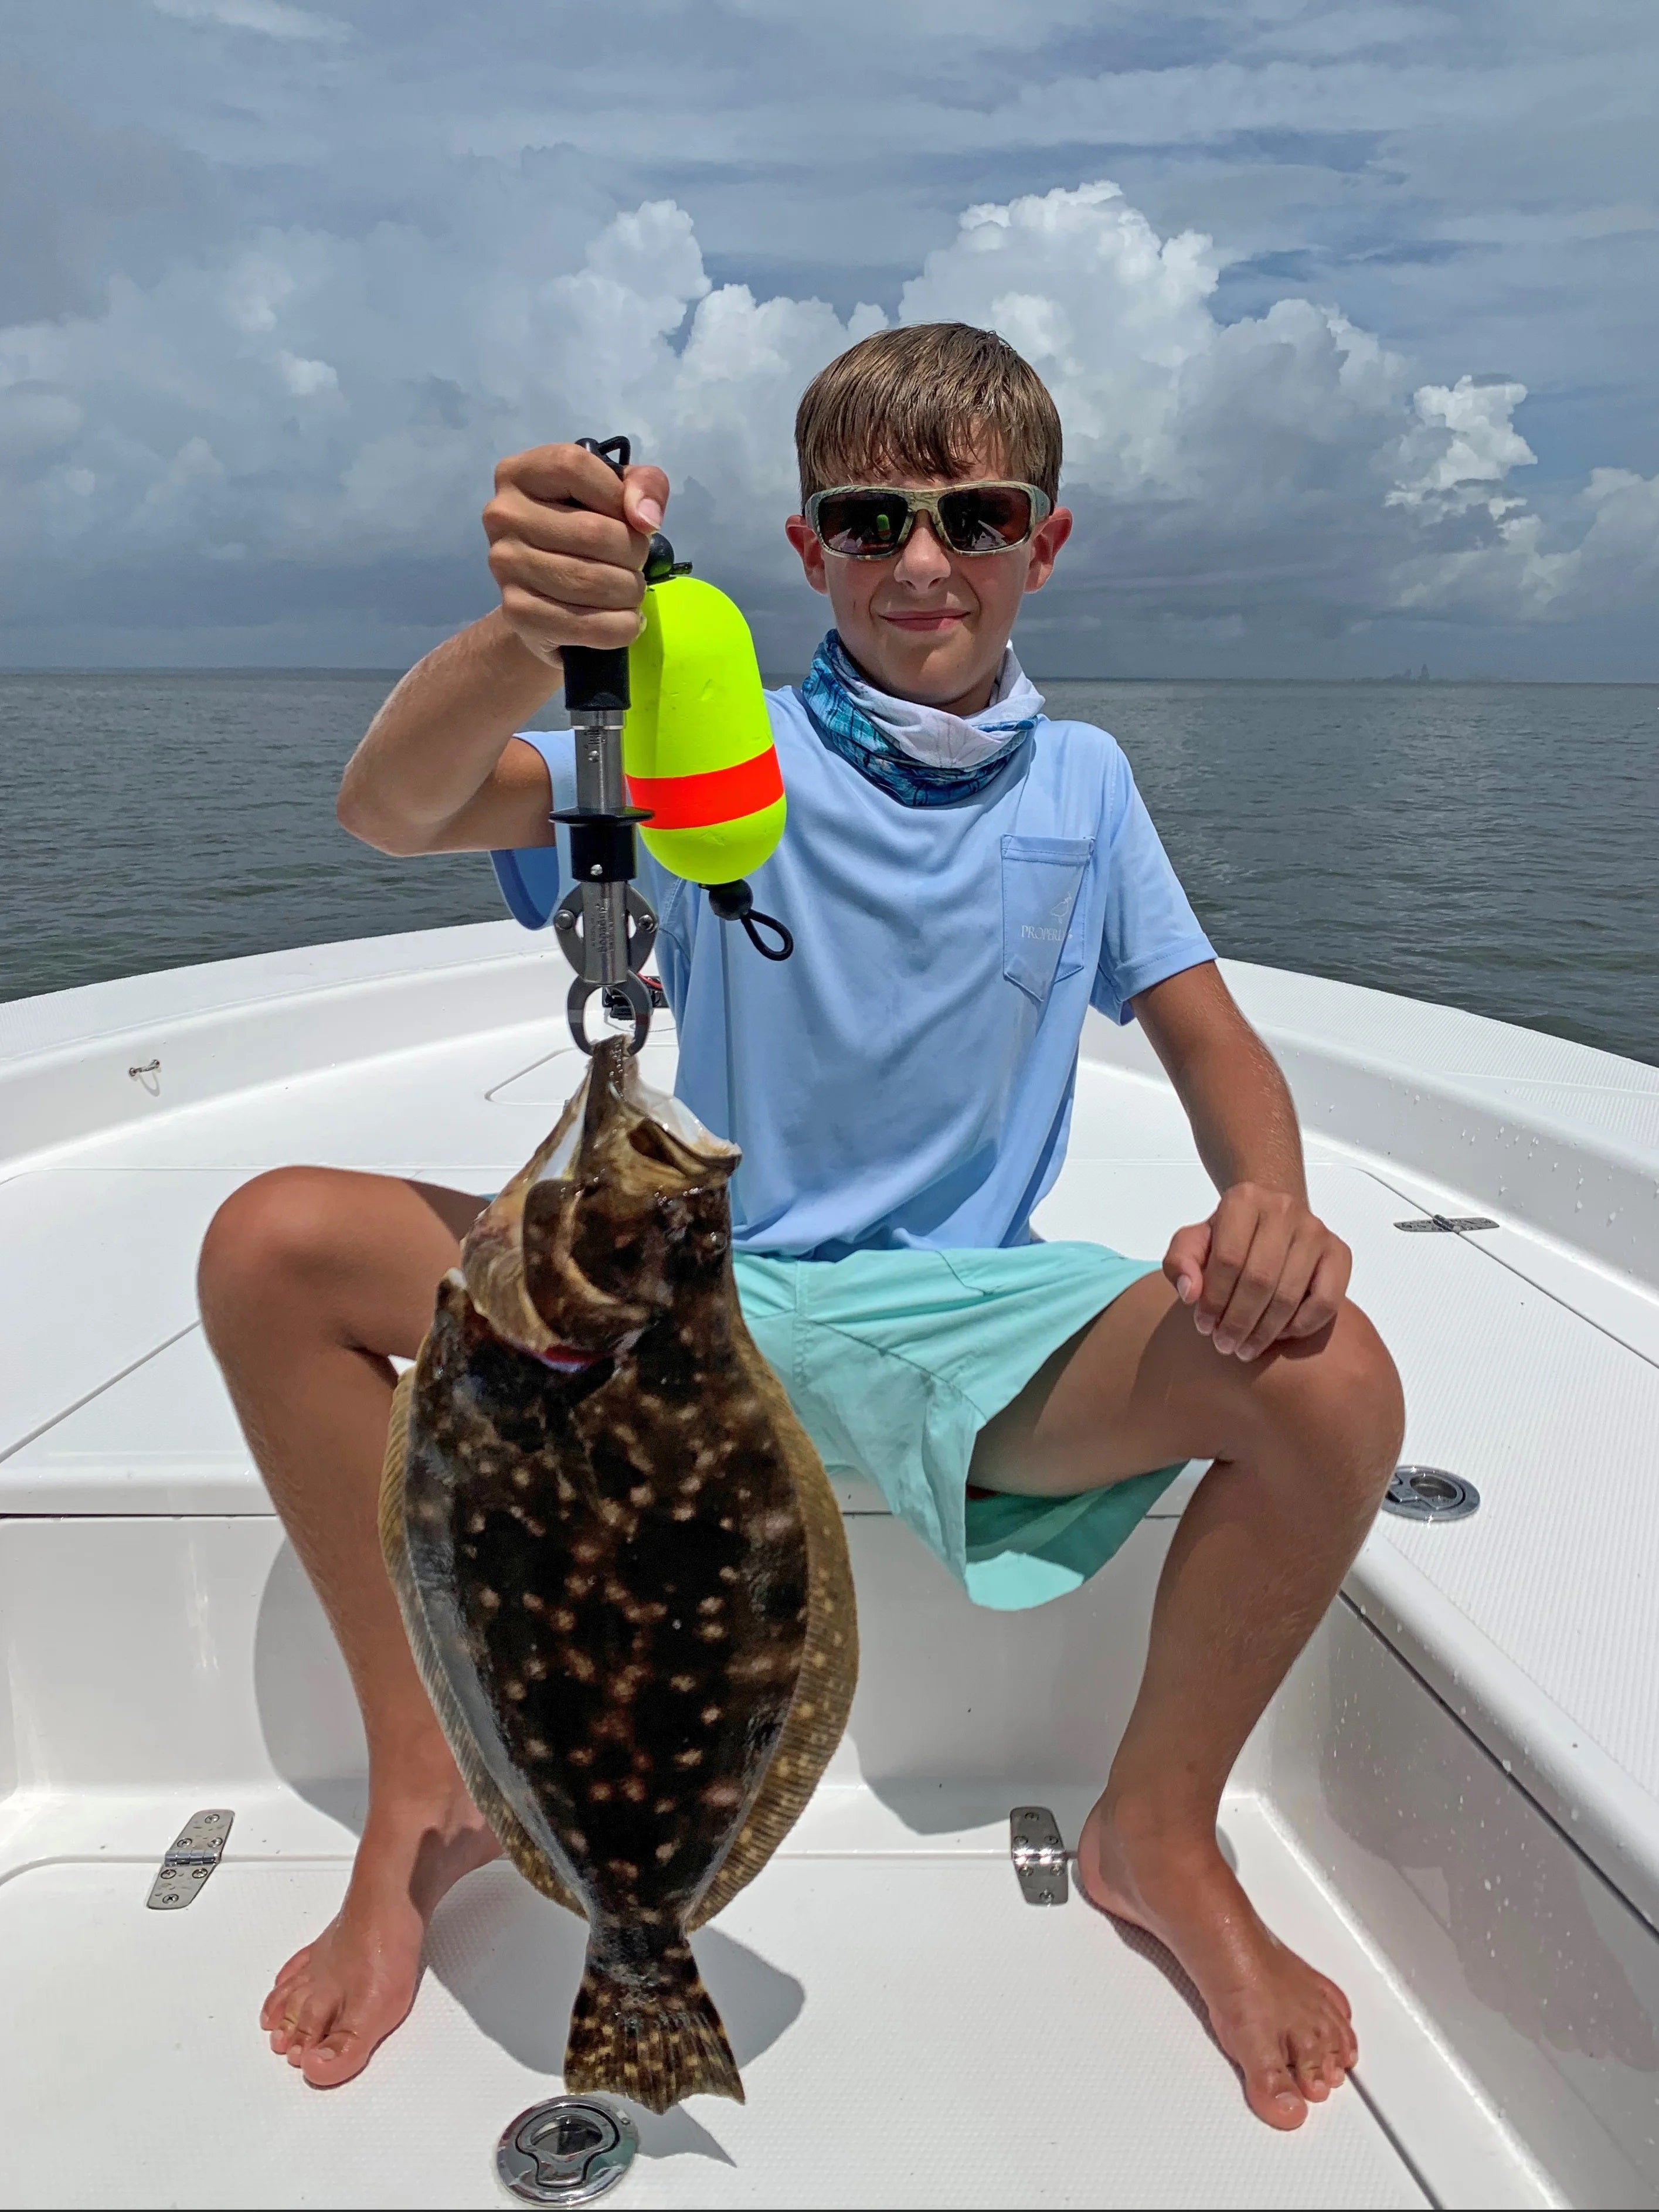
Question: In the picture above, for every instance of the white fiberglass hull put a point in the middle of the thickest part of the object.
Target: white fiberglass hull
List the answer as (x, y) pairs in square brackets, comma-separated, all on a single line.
[(1453, 1806)]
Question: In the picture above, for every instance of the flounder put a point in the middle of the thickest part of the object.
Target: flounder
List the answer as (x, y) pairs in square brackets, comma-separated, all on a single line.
[(621, 1565)]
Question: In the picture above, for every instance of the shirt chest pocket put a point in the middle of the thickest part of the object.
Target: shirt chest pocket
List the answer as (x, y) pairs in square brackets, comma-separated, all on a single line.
[(1043, 914)]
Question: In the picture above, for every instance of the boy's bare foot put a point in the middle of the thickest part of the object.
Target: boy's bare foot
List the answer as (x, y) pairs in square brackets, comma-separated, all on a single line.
[(334, 2002), (1285, 2026)]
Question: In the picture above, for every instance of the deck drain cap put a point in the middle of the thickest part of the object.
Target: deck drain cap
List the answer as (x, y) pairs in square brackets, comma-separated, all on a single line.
[(566, 2151), (1430, 1493)]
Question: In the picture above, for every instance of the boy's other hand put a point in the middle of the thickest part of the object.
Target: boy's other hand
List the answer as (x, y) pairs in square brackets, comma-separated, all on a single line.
[(1261, 1270), (568, 542)]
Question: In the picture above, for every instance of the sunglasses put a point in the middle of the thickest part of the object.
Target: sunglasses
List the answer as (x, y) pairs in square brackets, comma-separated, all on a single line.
[(870, 522)]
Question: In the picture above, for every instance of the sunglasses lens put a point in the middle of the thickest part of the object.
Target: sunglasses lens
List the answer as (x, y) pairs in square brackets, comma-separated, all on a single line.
[(988, 519), (862, 522)]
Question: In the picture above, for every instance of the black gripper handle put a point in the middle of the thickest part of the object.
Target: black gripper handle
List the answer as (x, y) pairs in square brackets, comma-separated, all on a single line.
[(596, 676)]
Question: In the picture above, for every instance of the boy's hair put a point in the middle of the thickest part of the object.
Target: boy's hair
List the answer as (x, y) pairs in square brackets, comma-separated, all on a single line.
[(915, 401)]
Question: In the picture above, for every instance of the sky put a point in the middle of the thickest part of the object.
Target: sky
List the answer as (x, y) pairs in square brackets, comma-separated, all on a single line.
[(1351, 310)]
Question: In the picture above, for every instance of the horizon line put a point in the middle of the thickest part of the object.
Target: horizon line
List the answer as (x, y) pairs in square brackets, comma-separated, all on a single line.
[(773, 678)]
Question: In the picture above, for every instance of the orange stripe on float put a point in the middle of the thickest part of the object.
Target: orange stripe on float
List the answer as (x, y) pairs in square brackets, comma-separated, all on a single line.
[(718, 794)]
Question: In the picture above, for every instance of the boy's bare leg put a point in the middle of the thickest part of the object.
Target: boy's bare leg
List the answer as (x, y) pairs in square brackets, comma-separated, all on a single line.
[(310, 1279), (1304, 1440)]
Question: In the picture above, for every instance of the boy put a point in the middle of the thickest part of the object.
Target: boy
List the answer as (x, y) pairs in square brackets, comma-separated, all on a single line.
[(962, 878)]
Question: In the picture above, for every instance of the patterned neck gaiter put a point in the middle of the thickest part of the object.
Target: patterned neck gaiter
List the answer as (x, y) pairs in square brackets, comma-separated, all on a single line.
[(918, 755)]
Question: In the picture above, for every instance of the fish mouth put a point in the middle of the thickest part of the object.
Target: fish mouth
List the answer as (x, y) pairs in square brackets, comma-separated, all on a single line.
[(569, 1262)]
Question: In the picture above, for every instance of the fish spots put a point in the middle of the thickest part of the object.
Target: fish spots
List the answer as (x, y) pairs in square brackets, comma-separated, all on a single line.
[(623, 1585), (490, 1600), (475, 1524)]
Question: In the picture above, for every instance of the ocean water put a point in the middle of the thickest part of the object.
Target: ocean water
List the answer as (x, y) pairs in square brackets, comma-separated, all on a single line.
[(1492, 846)]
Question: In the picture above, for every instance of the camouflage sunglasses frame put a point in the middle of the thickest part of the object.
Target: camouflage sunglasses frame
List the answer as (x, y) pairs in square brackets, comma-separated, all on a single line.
[(931, 504)]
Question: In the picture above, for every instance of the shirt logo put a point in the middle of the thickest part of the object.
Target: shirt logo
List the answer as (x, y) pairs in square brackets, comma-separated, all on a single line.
[(1049, 936)]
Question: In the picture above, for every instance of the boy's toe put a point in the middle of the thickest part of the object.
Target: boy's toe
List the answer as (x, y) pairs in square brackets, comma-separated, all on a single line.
[(1273, 2091)]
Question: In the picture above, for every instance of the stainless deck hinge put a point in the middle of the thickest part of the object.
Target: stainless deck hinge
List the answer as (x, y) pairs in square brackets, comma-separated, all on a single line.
[(191, 1858), (1446, 1224), (1039, 1855)]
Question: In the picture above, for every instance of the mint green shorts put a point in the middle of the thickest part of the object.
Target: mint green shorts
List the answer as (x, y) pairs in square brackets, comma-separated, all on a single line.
[(896, 1360)]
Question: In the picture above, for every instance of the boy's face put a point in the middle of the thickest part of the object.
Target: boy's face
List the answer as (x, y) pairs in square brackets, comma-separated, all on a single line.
[(926, 623)]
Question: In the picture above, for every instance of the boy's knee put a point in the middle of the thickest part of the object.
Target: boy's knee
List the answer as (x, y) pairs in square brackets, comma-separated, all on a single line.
[(276, 1231), (1342, 1402)]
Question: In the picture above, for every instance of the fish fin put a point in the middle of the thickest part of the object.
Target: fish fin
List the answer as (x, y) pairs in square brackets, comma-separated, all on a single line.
[(649, 2030), (504, 1823), (816, 1718)]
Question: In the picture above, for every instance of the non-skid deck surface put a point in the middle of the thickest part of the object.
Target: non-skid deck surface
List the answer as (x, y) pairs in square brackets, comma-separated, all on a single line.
[(910, 2034)]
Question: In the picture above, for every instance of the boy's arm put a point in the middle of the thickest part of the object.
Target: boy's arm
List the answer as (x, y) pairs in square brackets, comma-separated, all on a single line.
[(438, 771), (1262, 1268)]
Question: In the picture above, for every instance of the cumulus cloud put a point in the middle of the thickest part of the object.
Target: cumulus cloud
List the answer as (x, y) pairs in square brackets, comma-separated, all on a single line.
[(272, 19), (304, 418)]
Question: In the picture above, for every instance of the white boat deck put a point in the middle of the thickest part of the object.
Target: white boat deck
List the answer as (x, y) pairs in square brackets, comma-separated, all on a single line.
[(1484, 1884)]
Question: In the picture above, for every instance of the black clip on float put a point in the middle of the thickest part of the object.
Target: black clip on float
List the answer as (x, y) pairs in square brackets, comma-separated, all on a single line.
[(606, 928), (736, 903)]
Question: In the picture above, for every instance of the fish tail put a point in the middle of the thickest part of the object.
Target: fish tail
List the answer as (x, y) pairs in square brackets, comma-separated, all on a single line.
[(647, 2028)]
